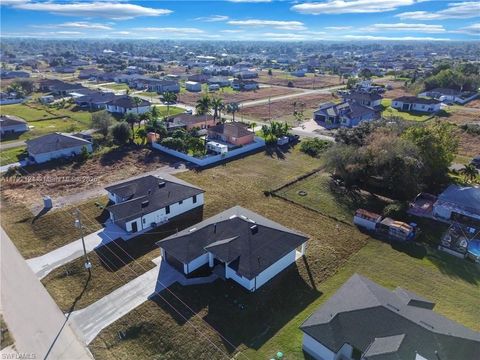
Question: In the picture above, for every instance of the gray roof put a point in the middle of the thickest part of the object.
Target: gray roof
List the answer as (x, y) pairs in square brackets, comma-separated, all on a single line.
[(53, 142), (97, 98), (467, 197), (386, 324), (146, 195), (230, 237), (11, 120), (348, 110), (127, 102), (416, 100)]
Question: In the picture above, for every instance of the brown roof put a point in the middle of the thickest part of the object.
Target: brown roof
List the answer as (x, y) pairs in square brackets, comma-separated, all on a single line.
[(231, 129)]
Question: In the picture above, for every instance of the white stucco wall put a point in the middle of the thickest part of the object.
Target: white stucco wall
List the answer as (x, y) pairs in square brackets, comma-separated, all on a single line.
[(160, 215), (41, 158), (121, 110), (195, 264), (246, 283), (14, 128), (317, 350), (275, 268)]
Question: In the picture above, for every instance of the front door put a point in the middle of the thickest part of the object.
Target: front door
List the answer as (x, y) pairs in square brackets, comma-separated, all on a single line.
[(134, 227)]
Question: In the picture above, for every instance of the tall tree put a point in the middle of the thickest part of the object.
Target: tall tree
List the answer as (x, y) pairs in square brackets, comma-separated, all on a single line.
[(169, 98), (101, 121), (131, 119), (217, 105), (232, 108)]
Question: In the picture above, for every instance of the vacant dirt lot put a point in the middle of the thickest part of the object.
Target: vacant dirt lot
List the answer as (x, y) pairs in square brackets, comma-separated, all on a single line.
[(398, 88), (308, 82), (463, 115), (71, 178), (283, 110), (237, 96), (474, 104), (469, 144)]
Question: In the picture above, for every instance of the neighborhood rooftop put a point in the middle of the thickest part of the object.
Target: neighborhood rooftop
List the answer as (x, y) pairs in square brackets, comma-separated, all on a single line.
[(416, 100), (53, 142), (10, 120), (386, 324)]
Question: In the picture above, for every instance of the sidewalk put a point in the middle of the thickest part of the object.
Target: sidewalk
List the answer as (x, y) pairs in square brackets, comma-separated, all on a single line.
[(36, 323)]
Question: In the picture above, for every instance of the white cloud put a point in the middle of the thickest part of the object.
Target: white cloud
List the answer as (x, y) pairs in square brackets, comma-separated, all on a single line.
[(473, 29), (391, 38), (340, 28), (110, 10), (68, 32), (121, 32), (275, 24), (351, 6), (171, 30), (461, 10), (76, 25), (423, 28), (12, 2), (282, 36), (213, 18), (232, 31), (250, 1)]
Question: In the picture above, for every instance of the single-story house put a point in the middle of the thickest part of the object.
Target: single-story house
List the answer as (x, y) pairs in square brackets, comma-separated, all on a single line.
[(414, 103), (221, 81), (201, 78), (344, 114), (125, 105), (146, 202), (237, 244), (10, 124), (299, 72), (193, 86), (61, 88), (458, 203), (161, 86), (213, 87), (232, 133), (244, 85), (450, 96), (246, 74), (14, 74), (372, 100), (56, 145), (10, 98), (95, 101), (89, 73), (190, 122), (364, 320)]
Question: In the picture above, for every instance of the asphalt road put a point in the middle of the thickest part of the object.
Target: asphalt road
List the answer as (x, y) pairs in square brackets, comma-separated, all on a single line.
[(39, 328)]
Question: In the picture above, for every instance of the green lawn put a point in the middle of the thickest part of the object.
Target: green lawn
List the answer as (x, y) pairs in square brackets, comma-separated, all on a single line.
[(163, 111), (409, 116), (148, 94), (12, 155), (329, 200), (116, 86)]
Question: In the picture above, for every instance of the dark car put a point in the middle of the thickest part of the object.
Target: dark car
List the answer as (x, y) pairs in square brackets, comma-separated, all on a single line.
[(476, 161)]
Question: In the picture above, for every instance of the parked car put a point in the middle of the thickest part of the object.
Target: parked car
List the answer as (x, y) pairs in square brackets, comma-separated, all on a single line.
[(476, 161)]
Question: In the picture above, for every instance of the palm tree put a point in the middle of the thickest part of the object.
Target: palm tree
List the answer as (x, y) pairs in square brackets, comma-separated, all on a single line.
[(470, 172), (154, 112), (131, 119), (169, 98), (137, 102), (142, 134), (217, 105), (203, 107), (232, 108), (253, 125)]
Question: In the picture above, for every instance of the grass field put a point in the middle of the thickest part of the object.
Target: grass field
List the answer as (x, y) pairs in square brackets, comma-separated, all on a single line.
[(12, 155), (36, 236), (324, 197), (174, 110), (116, 86)]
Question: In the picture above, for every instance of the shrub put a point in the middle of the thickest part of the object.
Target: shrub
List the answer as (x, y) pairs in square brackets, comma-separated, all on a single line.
[(395, 210), (121, 133), (314, 147)]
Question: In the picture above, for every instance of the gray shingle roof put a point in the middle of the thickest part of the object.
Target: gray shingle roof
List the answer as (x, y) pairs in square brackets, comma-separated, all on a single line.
[(361, 312), (229, 237), (11, 120), (157, 191), (463, 197), (53, 142), (417, 100), (127, 102)]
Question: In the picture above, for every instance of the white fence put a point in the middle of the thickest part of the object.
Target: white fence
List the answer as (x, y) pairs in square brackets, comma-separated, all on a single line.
[(209, 160)]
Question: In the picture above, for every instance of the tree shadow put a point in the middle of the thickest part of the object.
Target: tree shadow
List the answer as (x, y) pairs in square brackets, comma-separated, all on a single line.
[(455, 267)]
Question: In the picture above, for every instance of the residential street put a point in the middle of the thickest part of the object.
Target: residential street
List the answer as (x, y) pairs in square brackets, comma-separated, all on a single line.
[(39, 328)]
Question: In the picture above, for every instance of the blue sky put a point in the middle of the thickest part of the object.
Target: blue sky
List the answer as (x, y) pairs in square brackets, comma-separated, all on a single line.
[(338, 20)]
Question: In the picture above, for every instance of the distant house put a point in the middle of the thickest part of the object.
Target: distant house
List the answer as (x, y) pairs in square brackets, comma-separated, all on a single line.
[(54, 146), (213, 87), (246, 74), (414, 103), (193, 86), (146, 202), (221, 81), (88, 73), (364, 98), (60, 88), (450, 96), (125, 105), (232, 133), (345, 114), (95, 101), (364, 320), (237, 244), (245, 85), (160, 86), (10, 124), (14, 74), (10, 98), (190, 122), (299, 73), (201, 78), (458, 203)]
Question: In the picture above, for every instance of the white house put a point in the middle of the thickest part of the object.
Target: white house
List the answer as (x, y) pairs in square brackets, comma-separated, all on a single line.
[(414, 103), (363, 320), (149, 201), (236, 244), (450, 96), (126, 104), (56, 145), (458, 203), (193, 86), (10, 124)]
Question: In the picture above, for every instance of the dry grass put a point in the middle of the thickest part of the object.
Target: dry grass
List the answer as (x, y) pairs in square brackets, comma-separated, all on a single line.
[(283, 110), (70, 178), (460, 115), (37, 236), (469, 144), (310, 81), (398, 88), (474, 104), (236, 96)]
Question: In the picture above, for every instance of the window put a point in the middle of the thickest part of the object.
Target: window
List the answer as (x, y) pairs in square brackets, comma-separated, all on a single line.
[(180, 202), (194, 199), (144, 221), (167, 209)]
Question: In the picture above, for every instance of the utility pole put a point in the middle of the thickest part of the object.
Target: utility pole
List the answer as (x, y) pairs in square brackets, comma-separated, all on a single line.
[(269, 111), (78, 225)]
